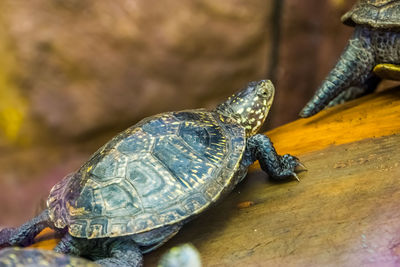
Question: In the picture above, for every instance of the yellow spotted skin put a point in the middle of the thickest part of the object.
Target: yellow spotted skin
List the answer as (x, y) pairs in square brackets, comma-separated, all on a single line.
[(161, 171), (249, 108), (18, 257)]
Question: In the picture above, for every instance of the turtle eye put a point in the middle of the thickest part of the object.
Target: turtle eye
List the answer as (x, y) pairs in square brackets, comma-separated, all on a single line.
[(261, 92)]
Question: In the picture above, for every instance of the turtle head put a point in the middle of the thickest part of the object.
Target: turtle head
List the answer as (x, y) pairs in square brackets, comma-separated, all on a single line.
[(250, 106)]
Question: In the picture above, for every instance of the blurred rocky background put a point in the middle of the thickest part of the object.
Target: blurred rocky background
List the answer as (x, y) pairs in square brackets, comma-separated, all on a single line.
[(73, 73)]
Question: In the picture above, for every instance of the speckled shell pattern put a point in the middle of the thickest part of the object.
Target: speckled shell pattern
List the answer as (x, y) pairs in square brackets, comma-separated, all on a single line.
[(383, 14), (18, 257), (158, 172)]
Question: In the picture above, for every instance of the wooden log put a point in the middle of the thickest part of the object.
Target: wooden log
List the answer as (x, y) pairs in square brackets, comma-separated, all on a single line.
[(345, 211)]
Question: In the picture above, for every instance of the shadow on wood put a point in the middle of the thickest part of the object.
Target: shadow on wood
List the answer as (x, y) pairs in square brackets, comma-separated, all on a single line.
[(343, 212)]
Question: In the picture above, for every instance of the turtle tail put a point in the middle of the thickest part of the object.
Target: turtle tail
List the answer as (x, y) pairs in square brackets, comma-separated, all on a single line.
[(353, 69), (25, 234)]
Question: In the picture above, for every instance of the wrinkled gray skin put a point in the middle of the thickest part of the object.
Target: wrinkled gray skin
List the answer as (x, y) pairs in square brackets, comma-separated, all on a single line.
[(248, 109), (376, 40)]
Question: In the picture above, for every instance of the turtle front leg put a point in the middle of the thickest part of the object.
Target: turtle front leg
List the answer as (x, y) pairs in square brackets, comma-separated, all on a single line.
[(259, 147)]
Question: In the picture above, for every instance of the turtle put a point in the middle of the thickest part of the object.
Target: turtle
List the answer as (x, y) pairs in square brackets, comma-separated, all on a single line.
[(185, 255), (33, 257), (140, 188), (375, 43)]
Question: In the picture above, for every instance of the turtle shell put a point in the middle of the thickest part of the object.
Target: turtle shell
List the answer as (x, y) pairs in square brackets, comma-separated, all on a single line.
[(28, 257), (384, 14), (159, 172)]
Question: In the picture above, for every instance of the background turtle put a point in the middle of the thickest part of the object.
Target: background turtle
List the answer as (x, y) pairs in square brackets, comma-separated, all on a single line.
[(184, 255), (376, 40), (138, 190), (32, 257)]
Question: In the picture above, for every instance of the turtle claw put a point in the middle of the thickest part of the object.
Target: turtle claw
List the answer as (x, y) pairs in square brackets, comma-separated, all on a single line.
[(300, 167), (295, 176), (293, 166), (289, 167)]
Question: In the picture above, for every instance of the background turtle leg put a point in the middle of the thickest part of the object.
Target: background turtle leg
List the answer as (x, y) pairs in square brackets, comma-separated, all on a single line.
[(353, 68), (354, 92), (122, 251), (25, 234), (259, 147)]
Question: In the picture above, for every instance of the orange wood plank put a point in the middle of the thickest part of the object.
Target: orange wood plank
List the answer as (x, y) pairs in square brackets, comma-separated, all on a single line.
[(374, 115)]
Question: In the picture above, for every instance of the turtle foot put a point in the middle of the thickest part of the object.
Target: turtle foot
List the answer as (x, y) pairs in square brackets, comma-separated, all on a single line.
[(289, 167), (5, 237)]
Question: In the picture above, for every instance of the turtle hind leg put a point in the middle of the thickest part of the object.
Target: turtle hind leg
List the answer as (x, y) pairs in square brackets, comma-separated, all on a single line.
[(354, 92), (353, 68), (121, 251), (151, 240), (25, 234), (71, 245), (108, 252)]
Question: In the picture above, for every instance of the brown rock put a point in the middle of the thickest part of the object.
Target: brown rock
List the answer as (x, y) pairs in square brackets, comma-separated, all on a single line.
[(89, 65)]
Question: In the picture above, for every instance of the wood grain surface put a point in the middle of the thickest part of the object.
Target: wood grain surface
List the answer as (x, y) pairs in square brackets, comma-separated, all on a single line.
[(344, 212)]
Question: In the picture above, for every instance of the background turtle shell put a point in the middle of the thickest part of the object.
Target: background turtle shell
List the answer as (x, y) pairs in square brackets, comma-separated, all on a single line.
[(28, 257), (158, 172), (375, 13)]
